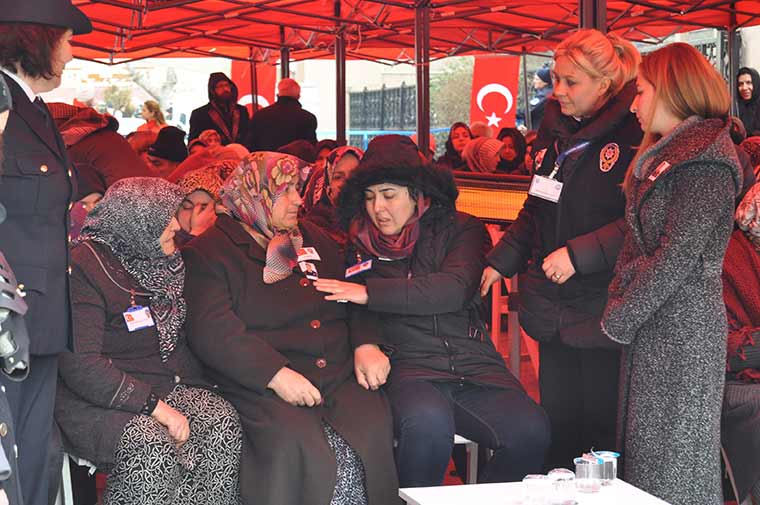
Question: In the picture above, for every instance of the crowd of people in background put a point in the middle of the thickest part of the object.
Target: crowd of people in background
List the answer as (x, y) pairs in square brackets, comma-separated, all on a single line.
[(247, 315)]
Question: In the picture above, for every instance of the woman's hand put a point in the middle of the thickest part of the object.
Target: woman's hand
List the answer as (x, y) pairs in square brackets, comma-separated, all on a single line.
[(490, 275), (371, 366), (294, 388), (176, 423), (558, 267), (340, 290)]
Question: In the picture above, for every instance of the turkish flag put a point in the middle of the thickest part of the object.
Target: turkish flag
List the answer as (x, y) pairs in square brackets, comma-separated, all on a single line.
[(495, 81), (266, 77)]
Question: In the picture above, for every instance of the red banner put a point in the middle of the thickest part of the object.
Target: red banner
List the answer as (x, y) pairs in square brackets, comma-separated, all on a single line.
[(266, 77), (495, 81)]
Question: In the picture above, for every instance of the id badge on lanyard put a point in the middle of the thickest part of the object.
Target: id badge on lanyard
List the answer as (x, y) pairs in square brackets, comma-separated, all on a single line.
[(548, 188)]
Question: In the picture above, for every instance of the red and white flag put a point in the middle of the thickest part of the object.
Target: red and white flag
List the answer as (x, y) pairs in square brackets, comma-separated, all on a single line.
[(495, 81), (266, 77)]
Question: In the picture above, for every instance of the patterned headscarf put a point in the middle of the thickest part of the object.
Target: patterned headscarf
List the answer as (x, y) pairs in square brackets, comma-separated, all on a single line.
[(748, 214), (129, 220), (209, 179), (249, 195), (316, 188)]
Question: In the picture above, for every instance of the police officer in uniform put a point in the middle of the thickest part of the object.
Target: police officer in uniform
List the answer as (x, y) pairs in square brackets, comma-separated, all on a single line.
[(37, 189)]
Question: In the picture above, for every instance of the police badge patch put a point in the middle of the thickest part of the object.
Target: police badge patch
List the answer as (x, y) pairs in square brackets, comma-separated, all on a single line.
[(608, 157), (539, 159)]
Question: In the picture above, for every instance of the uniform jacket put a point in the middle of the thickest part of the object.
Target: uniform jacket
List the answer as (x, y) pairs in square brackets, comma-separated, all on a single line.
[(37, 188), (587, 219), (666, 305), (245, 331), (281, 123), (107, 378)]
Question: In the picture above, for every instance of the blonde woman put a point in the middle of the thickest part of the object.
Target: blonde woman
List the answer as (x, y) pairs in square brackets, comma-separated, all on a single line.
[(566, 238), (154, 118), (665, 302)]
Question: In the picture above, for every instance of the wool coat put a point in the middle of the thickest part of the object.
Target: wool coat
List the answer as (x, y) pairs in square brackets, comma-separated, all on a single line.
[(281, 123), (666, 305), (245, 330), (107, 378)]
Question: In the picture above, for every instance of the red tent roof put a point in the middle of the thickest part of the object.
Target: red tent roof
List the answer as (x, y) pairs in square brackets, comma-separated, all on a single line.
[(375, 29)]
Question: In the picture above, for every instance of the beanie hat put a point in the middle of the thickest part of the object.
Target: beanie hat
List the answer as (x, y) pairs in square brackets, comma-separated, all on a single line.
[(395, 159), (544, 74), (170, 145), (482, 154)]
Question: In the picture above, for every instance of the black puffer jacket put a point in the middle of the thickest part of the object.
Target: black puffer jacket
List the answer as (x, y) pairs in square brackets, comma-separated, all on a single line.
[(428, 304), (587, 219)]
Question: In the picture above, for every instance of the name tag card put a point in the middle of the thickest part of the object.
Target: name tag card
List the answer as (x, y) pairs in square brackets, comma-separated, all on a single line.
[(358, 268), (545, 188), (137, 318)]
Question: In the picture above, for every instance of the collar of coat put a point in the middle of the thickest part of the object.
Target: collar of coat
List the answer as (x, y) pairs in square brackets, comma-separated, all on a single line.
[(240, 237), (614, 114), (694, 140)]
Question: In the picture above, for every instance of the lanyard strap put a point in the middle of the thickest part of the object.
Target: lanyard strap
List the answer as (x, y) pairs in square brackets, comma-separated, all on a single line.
[(565, 154)]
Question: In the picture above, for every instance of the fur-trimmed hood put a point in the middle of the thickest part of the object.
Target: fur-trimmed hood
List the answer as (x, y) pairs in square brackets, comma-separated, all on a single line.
[(395, 159)]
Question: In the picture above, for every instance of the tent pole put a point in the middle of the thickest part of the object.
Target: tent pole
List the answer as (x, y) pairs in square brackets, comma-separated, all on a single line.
[(284, 56), (254, 80), (593, 14), (733, 59), (422, 63), (340, 82), (526, 90)]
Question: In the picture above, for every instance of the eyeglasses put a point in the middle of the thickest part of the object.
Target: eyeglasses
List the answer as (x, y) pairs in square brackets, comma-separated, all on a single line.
[(6, 103)]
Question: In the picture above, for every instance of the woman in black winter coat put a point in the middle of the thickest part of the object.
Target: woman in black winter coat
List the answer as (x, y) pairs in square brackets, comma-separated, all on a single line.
[(459, 136), (564, 244), (417, 262)]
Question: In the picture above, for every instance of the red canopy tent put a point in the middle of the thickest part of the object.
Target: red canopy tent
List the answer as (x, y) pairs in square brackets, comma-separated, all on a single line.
[(388, 31)]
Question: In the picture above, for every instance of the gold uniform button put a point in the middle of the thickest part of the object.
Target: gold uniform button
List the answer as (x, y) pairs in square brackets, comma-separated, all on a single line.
[(321, 363), (70, 174), (43, 168), (3, 429), (71, 204), (69, 269), (316, 324)]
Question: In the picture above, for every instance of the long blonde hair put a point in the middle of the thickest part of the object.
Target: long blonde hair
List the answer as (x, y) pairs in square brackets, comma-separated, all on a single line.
[(685, 84), (602, 57), (155, 109)]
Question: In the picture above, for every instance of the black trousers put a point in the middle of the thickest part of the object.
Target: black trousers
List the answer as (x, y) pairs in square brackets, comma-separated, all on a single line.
[(32, 402), (579, 392)]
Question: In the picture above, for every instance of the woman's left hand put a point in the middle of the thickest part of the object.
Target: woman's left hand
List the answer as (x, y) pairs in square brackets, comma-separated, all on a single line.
[(558, 267), (340, 290), (371, 366)]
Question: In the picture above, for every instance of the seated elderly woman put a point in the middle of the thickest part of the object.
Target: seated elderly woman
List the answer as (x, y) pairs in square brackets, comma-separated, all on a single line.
[(132, 398), (302, 372), (323, 188), (417, 267), (740, 430), (202, 189)]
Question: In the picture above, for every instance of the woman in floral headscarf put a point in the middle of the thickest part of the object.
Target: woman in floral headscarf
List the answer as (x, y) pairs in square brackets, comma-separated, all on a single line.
[(302, 372), (323, 189), (132, 398), (740, 426)]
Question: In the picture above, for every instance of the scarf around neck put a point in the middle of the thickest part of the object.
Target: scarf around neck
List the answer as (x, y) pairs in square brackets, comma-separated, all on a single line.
[(129, 221), (249, 195), (363, 232)]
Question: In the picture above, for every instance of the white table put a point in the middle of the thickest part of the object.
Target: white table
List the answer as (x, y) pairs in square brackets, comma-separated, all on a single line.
[(511, 493)]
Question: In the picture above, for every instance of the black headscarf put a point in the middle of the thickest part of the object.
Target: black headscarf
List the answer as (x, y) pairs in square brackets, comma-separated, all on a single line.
[(748, 109), (129, 220)]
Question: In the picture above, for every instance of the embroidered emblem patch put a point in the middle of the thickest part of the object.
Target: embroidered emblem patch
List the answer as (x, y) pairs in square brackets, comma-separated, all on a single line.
[(539, 159), (608, 157)]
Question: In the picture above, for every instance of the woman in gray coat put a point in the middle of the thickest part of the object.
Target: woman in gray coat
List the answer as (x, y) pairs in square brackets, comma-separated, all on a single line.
[(665, 301)]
